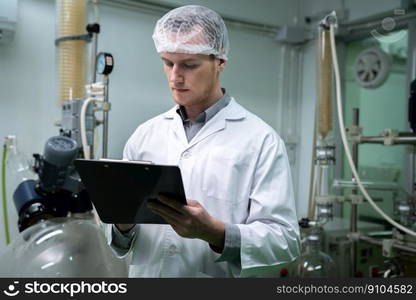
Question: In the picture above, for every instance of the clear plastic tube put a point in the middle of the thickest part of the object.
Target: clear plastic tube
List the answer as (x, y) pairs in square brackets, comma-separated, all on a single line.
[(4, 193), (18, 169), (291, 90), (290, 87), (325, 177), (18, 166)]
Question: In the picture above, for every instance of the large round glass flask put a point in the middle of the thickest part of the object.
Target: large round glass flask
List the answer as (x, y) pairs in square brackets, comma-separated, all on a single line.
[(62, 247), (314, 263)]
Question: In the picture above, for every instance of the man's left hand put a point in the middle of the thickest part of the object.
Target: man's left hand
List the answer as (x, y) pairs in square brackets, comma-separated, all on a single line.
[(190, 220)]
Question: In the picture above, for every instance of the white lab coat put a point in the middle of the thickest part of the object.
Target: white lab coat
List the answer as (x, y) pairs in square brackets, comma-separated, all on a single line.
[(237, 168)]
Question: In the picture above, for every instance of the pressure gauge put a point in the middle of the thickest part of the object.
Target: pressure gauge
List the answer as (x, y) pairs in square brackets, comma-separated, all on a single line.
[(105, 63)]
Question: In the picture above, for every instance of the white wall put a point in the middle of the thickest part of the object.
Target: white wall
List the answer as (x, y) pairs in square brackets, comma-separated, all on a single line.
[(27, 86), (273, 12), (138, 89)]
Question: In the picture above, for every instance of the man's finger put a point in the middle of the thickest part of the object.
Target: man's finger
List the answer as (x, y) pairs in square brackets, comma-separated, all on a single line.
[(192, 202), (174, 204), (166, 213), (162, 206), (179, 229)]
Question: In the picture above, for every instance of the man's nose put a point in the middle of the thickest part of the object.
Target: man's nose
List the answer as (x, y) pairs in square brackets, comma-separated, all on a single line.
[(176, 75)]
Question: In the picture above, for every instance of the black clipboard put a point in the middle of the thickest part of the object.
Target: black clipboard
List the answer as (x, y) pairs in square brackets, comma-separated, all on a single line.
[(120, 190)]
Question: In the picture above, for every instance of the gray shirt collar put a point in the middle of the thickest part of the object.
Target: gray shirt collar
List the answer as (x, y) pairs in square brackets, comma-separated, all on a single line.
[(210, 112)]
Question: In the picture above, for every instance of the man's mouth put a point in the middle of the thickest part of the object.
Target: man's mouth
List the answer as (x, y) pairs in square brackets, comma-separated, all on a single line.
[(180, 90)]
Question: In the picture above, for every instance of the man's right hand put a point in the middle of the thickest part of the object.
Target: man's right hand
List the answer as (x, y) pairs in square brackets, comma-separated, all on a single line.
[(123, 228)]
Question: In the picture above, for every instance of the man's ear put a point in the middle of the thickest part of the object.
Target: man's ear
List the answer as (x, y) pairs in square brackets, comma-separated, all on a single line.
[(221, 64)]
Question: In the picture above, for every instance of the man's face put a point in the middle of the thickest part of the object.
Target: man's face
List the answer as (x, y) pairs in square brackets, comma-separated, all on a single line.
[(192, 78)]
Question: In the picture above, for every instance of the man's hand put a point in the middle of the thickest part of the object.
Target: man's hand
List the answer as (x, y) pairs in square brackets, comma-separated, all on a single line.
[(190, 220)]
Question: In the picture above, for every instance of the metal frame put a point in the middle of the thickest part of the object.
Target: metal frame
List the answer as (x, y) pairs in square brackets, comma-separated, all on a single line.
[(357, 30)]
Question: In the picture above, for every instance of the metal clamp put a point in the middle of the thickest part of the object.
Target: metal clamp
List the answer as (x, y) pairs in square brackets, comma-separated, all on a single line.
[(325, 154), (390, 135), (355, 199), (85, 37), (106, 106), (355, 130), (354, 236), (387, 246), (328, 20), (339, 199)]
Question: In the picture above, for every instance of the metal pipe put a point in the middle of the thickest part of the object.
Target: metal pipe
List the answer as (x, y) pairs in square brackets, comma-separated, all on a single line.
[(105, 117), (93, 30), (387, 233), (400, 140), (352, 31), (94, 44), (312, 183), (374, 22), (354, 208), (379, 243), (370, 185), (411, 134)]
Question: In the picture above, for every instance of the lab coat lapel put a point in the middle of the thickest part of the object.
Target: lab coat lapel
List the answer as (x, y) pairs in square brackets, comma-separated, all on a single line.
[(217, 123), (176, 126), (231, 112)]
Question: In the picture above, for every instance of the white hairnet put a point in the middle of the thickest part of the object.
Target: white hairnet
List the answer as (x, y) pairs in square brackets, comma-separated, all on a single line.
[(192, 29)]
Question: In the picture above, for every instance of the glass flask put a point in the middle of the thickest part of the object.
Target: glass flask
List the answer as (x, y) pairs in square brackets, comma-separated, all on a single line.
[(18, 166), (314, 263), (62, 247)]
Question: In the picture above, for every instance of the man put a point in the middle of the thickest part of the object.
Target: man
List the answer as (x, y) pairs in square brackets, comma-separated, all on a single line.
[(240, 212)]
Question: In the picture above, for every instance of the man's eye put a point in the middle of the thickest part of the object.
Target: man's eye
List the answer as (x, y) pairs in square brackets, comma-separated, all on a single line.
[(168, 64), (188, 66)]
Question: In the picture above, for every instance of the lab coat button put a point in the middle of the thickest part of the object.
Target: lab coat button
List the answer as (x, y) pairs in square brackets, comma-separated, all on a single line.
[(186, 154), (172, 250)]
